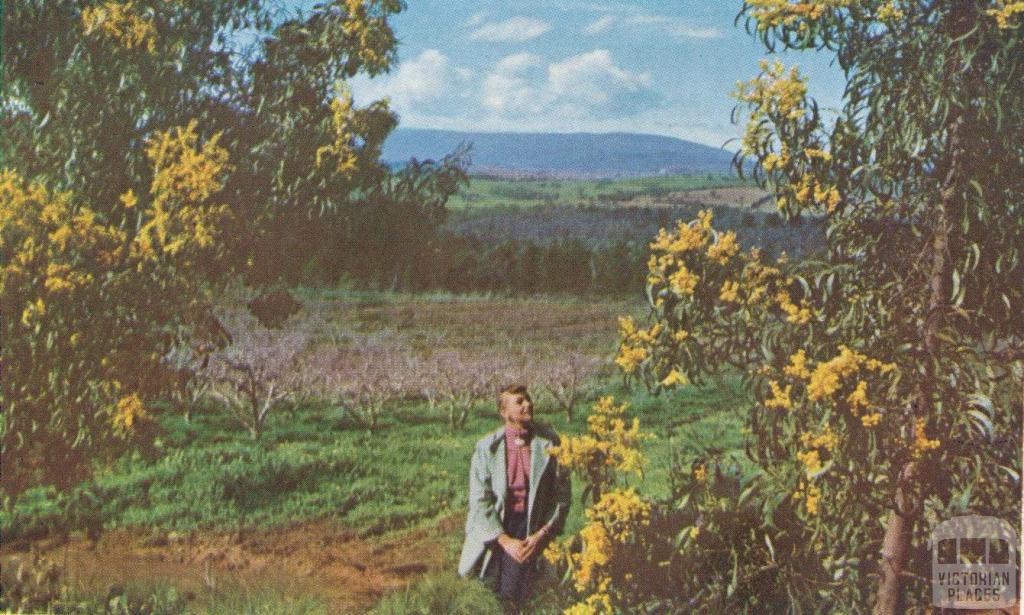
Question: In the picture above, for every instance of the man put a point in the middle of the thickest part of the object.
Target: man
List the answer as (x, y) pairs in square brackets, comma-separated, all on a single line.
[(518, 499)]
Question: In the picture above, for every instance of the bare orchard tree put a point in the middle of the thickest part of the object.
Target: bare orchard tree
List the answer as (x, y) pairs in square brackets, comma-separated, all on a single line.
[(259, 371), (366, 382), (464, 382), (564, 380)]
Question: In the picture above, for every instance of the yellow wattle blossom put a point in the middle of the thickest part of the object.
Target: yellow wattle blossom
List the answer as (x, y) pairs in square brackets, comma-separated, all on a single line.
[(33, 312), (871, 420), (811, 460), (186, 176), (922, 444), (725, 248), (730, 292), (827, 439), (780, 397), (343, 148), (775, 92), (828, 376), (683, 281), (694, 532), (797, 367), (129, 410), (635, 343), (810, 494), (621, 512), (596, 554), (800, 315), (673, 378), (859, 398), (129, 200), (609, 444), (813, 152), (681, 335), (121, 22), (1005, 11), (700, 473), (890, 12), (771, 13)]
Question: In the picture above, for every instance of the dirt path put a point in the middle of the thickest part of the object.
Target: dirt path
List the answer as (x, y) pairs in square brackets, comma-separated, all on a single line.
[(308, 559)]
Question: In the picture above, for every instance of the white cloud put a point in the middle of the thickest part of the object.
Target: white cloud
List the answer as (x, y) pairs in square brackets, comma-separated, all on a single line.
[(426, 80), (586, 85), (673, 26), (599, 25), (476, 19), (513, 29), (594, 78), (507, 90), (517, 63)]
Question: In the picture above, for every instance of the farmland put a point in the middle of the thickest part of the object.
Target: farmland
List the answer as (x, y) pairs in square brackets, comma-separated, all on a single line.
[(316, 470)]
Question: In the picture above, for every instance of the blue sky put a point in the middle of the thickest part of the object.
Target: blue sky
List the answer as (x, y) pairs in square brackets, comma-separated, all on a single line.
[(578, 66)]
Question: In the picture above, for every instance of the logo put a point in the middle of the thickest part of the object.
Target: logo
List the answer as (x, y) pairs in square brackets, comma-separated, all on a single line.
[(974, 563)]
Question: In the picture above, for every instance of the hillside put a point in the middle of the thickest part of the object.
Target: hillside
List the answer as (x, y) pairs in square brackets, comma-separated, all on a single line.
[(581, 155)]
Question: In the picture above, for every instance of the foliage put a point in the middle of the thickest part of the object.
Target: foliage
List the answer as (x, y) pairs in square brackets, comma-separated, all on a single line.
[(886, 376), (602, 559), (100, 304)]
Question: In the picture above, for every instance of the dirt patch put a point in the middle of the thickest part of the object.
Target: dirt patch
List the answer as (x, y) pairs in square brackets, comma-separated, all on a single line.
[(308, 559)]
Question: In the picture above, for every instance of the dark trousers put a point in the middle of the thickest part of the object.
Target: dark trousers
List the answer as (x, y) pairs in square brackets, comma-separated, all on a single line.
[(511, 579)]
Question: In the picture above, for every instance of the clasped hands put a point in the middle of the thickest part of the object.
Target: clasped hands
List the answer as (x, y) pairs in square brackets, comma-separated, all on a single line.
[(522, 550)]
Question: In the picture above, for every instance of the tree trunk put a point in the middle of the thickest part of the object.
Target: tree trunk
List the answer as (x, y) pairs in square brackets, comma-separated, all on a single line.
[(908, 497)]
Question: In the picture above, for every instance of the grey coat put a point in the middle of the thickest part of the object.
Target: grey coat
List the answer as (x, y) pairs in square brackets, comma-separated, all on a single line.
[(549, 497)]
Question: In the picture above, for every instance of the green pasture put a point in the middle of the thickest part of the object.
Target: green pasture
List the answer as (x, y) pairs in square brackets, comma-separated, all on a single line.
[(490, 192)]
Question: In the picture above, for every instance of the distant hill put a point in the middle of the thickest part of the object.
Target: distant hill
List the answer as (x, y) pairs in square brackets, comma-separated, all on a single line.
[(570, 155)]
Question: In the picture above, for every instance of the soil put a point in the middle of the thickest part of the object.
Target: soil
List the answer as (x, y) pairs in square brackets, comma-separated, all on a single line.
[(316, 558)]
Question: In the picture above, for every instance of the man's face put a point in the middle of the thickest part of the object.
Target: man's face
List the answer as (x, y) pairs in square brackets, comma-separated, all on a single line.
[(517, 409)]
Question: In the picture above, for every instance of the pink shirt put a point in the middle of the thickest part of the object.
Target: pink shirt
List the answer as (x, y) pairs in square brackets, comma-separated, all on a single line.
[(517, 460)]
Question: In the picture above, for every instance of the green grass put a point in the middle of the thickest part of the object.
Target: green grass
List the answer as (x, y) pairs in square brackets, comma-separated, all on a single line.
[(489, 192), (317, 464)]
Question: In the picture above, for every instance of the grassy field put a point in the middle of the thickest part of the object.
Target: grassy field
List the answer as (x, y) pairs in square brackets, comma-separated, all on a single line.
[(485, 192), (314, 465)]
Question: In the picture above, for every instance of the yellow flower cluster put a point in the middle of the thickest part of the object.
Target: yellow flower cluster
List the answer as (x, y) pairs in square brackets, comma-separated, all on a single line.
[(797, 367), (776, 161), (343, 147), (598, 603), (185, 177), (780, 397), (674, 378), (128, 411), (686, 237), (121, 22), (609, 444), (890, 12), (700, 473), (1005, 11), (724, 248), (371, 31), (827, 439), (922, 444), (829, 376), (770, 13), (775, 92), (620, 511), (796, 314), (811, 460), (810, 494), (816, 443), (634, 344), (730, 292)]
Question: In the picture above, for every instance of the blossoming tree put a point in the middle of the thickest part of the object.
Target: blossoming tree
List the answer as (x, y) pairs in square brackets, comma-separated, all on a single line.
[(887, 376)]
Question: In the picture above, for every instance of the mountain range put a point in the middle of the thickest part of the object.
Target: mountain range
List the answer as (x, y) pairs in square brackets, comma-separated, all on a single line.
[(564, 155)]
